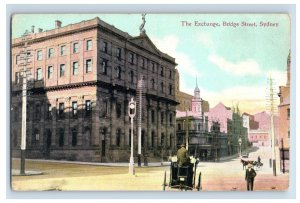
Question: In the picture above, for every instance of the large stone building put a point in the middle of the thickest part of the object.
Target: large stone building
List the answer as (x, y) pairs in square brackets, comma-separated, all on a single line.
[(284, 120), (83, 76)]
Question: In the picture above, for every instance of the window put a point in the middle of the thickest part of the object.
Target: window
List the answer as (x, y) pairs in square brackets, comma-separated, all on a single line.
[(50, 52), (170, 89), (152, 138), (17, 77), (171, 119), (178, 126), (17, 59), (119, 72), (39, 74), (119, 110), (162, 117), (118, 137), (104, 67), (37, 111), (88, 65), (88, 107), (61, 109), (105, 109), (152, 116), (75, 68), (152, 83), (50, 72), (162, 71), (74, 137), (63, 50), (62, 70), (170, 74), (119, 52), (104, 47), (288, 134), (131, 76), (153, 67), (39, 55), (75, 47), (143, 63), (49, 111), (288, 113), (61, 137), (74, 109), (89, 45), (162, 139), (162, 87), (131, 57)]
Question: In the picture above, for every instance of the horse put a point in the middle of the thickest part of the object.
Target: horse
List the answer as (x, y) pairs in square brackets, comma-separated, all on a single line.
[(245, 163)]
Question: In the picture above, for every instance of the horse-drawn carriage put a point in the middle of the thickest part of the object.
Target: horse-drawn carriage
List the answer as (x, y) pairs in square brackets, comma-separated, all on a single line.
[(183, 177), (256, 164)]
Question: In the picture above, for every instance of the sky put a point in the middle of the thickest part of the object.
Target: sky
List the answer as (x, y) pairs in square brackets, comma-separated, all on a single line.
[(232, 64)]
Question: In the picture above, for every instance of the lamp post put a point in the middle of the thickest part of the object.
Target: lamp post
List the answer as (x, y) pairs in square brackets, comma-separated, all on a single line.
[(240, 143), (131, 113)]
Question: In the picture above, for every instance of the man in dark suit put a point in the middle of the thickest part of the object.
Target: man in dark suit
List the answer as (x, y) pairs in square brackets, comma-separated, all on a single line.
[(182, 157), (250, 175)]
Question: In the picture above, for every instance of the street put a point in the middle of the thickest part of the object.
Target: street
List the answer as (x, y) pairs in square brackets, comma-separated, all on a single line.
[(216, 176)]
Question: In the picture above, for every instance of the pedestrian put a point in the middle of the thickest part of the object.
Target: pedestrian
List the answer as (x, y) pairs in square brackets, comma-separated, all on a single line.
[(250, 175), (182, 157), (258, 159)]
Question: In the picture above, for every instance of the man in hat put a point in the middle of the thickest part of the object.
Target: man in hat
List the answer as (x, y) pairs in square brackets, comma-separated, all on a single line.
[(182, 157), (250, 175)]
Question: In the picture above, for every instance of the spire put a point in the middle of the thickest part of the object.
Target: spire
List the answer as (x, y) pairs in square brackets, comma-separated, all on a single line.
[(197, 90)]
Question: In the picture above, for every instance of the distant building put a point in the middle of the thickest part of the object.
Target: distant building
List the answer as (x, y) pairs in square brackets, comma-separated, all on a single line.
[(204, 143), (83, 76), (231, 125), (284, 121)]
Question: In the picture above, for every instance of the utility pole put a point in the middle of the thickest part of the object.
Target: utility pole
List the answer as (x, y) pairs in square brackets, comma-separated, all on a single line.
[(24, 57), (272, 126)]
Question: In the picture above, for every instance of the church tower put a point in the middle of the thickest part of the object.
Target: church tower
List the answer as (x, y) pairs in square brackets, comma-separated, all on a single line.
[(197, 101)]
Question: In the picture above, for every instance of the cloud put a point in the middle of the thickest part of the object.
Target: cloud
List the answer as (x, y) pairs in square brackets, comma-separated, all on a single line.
[(169, 45), (247, 67), (205, 39), (279, 77)]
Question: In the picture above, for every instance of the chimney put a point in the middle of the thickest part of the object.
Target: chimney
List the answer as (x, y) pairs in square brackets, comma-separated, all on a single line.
[(40, 30), (32, 29), (57, 24)]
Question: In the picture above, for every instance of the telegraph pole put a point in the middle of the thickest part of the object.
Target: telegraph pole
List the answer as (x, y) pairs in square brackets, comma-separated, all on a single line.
[(140, 87), (24, 57), (272, 126)]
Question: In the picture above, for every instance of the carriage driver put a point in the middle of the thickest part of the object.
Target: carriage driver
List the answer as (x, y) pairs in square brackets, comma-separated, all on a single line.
[(182, 158)]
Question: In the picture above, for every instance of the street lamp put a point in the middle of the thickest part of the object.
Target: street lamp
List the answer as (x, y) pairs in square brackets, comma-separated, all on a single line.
[(240, 143), (131, 113)]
